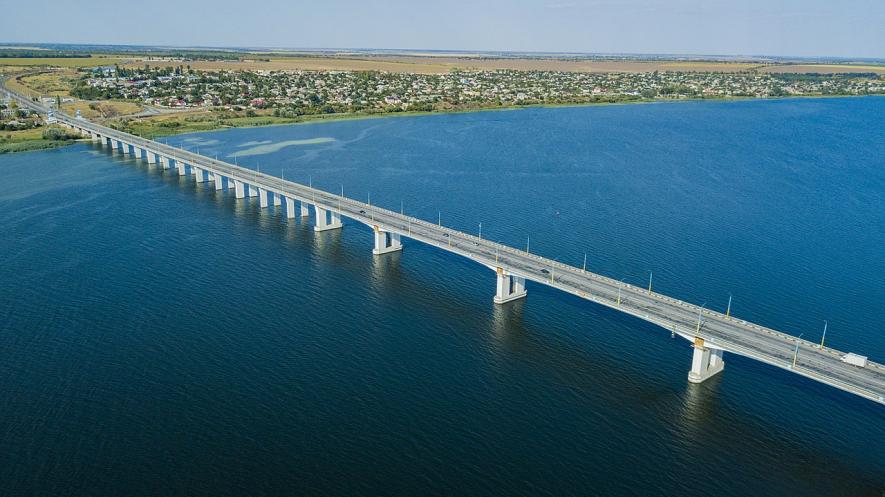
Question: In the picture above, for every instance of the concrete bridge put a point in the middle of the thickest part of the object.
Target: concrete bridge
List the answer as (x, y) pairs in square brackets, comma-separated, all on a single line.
[(711, 333)]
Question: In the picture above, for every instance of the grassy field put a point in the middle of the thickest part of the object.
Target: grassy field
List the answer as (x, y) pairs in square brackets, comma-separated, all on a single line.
[(204, 120), (190, 122), (26, 140), (15, 85), (51, 83), (73, 62), (101, 110)]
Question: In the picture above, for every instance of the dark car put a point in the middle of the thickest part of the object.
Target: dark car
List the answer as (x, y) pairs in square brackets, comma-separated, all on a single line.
[(545, 271)]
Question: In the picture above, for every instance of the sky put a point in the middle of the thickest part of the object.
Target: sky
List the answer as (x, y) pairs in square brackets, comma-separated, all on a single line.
[(833, 28)]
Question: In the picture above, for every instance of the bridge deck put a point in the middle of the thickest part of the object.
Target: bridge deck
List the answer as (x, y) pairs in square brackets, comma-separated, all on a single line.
[(716, 329)]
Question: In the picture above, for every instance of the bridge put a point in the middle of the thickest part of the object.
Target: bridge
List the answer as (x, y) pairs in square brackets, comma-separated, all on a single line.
[(711, 333)]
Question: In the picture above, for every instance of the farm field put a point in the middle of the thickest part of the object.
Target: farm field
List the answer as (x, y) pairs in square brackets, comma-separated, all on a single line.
[(72, 62), (444, 64)]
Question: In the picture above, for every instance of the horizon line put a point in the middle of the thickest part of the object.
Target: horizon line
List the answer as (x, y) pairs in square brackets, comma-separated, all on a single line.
[(413, 51)]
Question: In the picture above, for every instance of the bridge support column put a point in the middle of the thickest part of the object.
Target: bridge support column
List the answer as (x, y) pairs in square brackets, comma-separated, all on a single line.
[(510, 287), (150, 156), (182, 167), (290, 208), (262, 197), (239, 188), (125, 148), (705, 362), (253, 191), (96, 137), (199, 174), (164, 161), (115, 144), (323, 222), (304, 211), (136, 152), (386, 242), (276, 198), (231, 183), (218, 183)]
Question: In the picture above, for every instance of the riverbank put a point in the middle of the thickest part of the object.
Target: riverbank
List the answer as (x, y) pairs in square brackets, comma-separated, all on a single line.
[(32, 139), (186, 123)]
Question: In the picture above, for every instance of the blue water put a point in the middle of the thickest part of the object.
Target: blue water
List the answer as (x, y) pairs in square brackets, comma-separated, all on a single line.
[(160, 338)]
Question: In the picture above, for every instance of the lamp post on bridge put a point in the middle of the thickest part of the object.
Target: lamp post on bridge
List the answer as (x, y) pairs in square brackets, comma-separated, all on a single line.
[(698, 329), (649, 281), (584, 267), (480, 231), (619, 291), (796, 353), (822, 338), (728, 309)]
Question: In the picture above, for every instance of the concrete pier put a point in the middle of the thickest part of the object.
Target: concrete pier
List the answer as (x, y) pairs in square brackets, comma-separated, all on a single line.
[(124, 147), (385, 241), (240, 189), (705, 362), (304, 211), (290, 208), (509, 287), (115, 145), (199, 174), (219, 182), (136, 152), (252, 190), (181, 166), (164, 161), (326, 219), (262, 197), (276, 198)]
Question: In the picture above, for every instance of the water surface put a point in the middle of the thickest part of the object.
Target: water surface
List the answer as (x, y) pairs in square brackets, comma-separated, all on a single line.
[(161, 338)]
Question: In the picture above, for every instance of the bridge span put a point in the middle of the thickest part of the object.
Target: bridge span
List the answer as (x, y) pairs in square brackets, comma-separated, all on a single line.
[(711, 333)]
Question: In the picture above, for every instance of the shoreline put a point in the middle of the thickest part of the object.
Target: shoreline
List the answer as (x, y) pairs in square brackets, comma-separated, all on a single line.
[(34, 146), (321, 118), (37, 145)]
